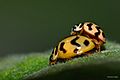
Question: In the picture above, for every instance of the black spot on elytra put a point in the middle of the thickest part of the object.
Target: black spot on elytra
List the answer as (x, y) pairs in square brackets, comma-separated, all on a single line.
[(90, 26), (97, 33), (86, 42), (103, 34), (73, 42), (75, 50), (56, 50), (62, 47)]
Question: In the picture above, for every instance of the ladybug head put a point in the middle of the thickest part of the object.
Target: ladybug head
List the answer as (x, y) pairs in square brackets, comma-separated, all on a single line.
[(77, 27)]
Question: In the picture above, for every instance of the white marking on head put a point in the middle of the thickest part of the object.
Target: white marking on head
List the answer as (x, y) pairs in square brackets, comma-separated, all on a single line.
[(78, 28)]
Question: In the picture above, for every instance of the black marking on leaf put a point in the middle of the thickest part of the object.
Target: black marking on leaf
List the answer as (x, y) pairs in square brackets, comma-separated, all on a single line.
[(73, 42), (90, 26), (86, 42), (62, 47)]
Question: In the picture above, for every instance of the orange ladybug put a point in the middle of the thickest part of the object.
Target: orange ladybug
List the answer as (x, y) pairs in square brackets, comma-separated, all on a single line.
[(92, 31)]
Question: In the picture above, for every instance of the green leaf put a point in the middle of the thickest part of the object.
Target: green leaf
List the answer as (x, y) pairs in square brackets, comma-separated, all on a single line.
[(98, 66)]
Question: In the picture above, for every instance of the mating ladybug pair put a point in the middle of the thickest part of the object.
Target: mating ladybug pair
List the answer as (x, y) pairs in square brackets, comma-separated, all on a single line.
[(85, 38)]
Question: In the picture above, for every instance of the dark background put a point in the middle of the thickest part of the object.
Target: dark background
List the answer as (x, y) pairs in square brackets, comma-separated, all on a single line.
[(37, 25)]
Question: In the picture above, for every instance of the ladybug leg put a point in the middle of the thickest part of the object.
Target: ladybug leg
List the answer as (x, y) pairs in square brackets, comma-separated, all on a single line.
[(89, 53), (73, 33), (53, 56), (68, 59), (98, 45), (98, 48), (51, 61)]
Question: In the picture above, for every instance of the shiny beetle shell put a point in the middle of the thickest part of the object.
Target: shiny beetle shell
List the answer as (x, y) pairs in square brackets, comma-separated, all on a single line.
[(94, 30), (70, 47), (89, 28), (91, 31)]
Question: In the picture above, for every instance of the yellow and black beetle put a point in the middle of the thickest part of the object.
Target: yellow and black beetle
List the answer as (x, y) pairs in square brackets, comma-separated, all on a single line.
[(92, 31), (70, 47)]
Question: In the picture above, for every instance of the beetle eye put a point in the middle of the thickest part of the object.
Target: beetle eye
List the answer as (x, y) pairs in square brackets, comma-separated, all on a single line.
[(73, 28)]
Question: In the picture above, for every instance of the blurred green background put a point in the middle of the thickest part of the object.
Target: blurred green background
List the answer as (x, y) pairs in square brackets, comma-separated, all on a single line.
[(37, 25)]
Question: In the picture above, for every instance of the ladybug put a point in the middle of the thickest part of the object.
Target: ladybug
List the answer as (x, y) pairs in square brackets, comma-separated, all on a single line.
[(71, 47), (92, 31)]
